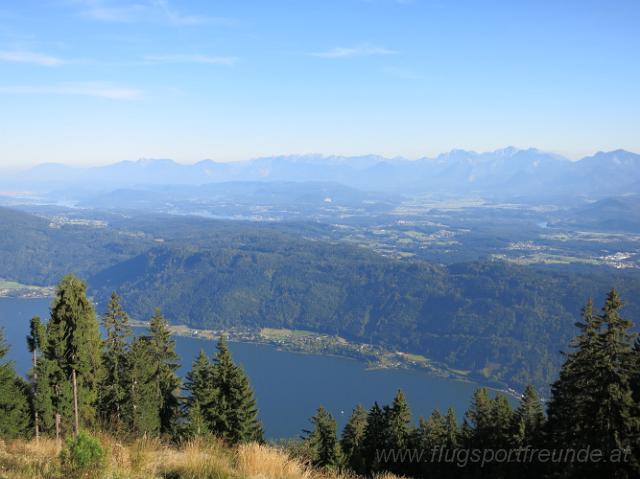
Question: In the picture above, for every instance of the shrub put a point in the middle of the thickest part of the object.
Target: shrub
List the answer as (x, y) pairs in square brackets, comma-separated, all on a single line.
[(83, 456)]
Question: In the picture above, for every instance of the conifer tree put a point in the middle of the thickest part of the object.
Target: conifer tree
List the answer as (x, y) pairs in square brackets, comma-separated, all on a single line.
[(113, 388), (397, 422), (592, 401), (429, 436), (165, 362), (14, 405), (431, 432), (73, 347), (233, 413), (374, 438), (43, 395), (323, 441), (35, 341), (451, 429), (142, 409), (202, 396), (501, 423), (529, 418), (478, 419), (352, 439), (569, 408)]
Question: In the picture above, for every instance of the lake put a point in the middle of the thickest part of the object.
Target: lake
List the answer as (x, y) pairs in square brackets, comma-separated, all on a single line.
[(289, 387)]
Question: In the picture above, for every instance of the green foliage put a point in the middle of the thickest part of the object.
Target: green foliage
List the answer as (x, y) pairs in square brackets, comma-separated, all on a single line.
[(74, 344), (397, 429), (83, 456), (114, 393), (374, 437), (142, 408), (220, 400), (165, 362), (500, 321), (592, 402), (14, 405), (529, 419), (352, 439), (323, 441)]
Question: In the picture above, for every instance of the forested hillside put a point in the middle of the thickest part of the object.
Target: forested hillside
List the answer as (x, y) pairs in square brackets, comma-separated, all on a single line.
[(510, 322), (500, 321)]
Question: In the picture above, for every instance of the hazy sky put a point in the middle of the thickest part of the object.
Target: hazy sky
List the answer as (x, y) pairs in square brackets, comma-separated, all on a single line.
[(97, 81)]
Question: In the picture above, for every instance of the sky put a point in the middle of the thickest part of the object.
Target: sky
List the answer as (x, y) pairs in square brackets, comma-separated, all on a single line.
[(90, 82)]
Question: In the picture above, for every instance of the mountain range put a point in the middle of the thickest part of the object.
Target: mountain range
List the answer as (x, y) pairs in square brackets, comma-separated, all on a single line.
[(504, 173)]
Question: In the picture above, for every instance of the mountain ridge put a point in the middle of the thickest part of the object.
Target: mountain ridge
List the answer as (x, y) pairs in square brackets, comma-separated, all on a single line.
[(507, 172)]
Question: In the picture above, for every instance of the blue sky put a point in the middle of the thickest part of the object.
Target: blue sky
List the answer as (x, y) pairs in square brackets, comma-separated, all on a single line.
[(98, 81)]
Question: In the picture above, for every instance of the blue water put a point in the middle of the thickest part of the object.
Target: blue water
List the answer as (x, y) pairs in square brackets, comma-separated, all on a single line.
[(288, 386)]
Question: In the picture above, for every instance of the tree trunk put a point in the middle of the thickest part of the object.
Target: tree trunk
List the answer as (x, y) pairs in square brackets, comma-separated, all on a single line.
[(35, 411), (76, 421), (58, 431)]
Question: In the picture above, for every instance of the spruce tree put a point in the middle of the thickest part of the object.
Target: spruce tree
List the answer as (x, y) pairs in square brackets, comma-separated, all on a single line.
[(352, 439), (570, 407), (43, 395), (323, 441), (501, 423), (429, 436), (113, 388), (592, 402), (73, 347), (165, 362), (529, 418), (35, 342), (451, 429), (142, 410), (397, 422), (233, 412), (478, 419), (202, 396), (14, 405), (374, 438), (616, 423)]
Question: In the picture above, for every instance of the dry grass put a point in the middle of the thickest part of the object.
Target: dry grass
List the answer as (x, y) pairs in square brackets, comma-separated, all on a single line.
[(149, 458), (256, 461), (29, 459)]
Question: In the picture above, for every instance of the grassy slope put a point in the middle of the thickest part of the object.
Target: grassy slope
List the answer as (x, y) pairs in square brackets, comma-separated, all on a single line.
[(150, 459)]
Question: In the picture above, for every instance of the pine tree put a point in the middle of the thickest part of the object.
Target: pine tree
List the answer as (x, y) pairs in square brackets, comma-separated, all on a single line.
[(430, 436), (501, 423), (73, 347), (451, 429), (432, 432), (374, 438), (14, 405), (352, 439), (528, 418), (202, 396), (616, 423), (233, 413), (35, 342), (478, 419), (113, 388), (142, 410), (43, 395), (397, 420), (165, 362), (323, 441), (592, 401), (570, 407)]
